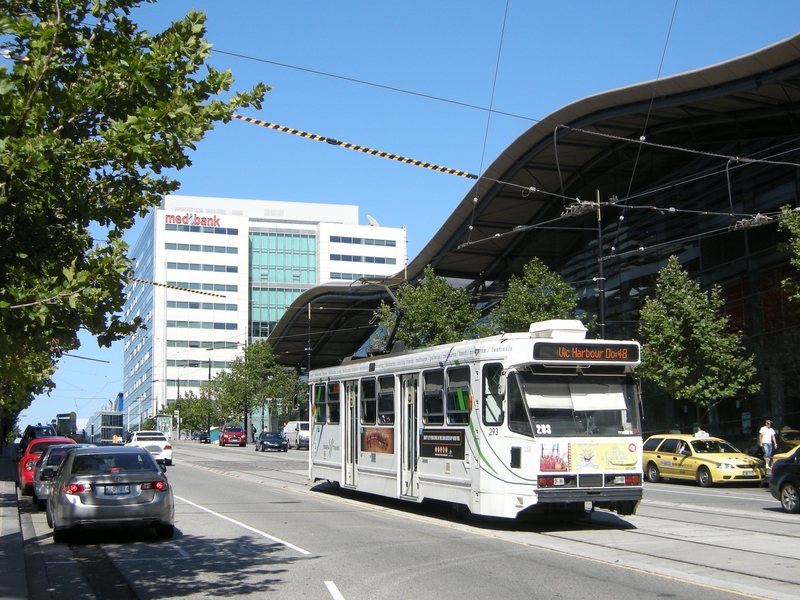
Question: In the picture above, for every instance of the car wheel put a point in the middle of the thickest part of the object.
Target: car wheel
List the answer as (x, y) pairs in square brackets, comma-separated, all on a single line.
[(790, 500), (653, 473), (165, 532), (221, 444), (41, 504), (704, 477), (49, 519), (168, 462)]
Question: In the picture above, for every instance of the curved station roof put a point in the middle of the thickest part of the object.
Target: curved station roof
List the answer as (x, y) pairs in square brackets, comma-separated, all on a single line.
[(627, 148)]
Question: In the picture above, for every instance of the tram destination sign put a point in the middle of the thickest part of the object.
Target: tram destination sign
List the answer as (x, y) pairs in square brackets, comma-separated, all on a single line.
[(584, 352)]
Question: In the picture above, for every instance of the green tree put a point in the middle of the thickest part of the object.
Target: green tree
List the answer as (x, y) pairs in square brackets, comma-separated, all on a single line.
[(93, 111), (254, 379), (790, 222), (432, 312), (687, 349), (539, 295)]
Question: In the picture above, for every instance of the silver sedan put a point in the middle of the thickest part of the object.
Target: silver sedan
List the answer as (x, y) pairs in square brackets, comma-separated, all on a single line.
[(109, 486)]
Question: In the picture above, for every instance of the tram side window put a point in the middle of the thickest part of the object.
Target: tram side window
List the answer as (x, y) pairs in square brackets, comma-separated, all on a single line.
[(320, 406), (458, 397), (333, 403), (368, 402), (432, 401), (517, 413), (386, 401), (492, 398)]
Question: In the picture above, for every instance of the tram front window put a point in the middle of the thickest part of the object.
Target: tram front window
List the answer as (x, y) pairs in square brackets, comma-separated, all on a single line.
[(574, 406)]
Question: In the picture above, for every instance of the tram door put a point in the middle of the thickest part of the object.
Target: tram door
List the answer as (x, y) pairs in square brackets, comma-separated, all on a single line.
[(350, 432), (409, 437)]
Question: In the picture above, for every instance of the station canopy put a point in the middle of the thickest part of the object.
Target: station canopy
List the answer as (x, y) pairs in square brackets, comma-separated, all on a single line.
[(534, 199)]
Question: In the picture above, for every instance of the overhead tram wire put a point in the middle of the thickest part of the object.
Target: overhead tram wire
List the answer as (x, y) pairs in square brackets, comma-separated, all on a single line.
[(488, 118), (378, 85), (357, 148)]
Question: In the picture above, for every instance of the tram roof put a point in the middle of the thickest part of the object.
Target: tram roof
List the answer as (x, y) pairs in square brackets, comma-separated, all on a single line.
[(709, 110)]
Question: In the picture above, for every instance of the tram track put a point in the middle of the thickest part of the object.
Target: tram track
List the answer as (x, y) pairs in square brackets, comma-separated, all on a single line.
[(701, 546)]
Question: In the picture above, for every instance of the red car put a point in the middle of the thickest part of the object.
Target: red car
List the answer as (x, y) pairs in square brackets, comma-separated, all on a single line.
[(232, 434), (27, 464)]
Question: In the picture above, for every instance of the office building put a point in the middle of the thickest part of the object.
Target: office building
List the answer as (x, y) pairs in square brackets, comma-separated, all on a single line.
[(212, 274)]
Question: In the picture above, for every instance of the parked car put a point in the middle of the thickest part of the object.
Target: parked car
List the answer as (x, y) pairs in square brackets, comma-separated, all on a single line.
[(704, 459), (27, 463), (271, 440), (296, 433), (788, 439), (784, 484), (109, 486), (204, 437), (232, 434), (33, 432), (51, 457), (154, 442)]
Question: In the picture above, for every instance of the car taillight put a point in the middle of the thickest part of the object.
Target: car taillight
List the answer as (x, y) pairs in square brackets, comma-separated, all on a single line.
[(167, 447), (159, 486), (77, 488), (30, 464)]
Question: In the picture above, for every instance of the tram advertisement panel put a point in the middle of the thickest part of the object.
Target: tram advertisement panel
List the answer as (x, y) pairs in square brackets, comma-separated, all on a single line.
[(379, 440), (442, 443), (563, 456)]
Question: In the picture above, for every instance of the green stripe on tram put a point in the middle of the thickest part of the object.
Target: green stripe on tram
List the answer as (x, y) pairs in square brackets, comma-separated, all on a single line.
[(478, 448)]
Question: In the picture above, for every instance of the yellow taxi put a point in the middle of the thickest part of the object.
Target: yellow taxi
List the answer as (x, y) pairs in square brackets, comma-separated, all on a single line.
[(788, 439), (700, 457)]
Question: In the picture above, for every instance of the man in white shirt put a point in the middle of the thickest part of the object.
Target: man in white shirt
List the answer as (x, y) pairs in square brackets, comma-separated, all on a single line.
[(766, 437)]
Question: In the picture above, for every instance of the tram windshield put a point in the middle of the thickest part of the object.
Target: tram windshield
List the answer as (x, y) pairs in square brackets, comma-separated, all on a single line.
[(543, 405)]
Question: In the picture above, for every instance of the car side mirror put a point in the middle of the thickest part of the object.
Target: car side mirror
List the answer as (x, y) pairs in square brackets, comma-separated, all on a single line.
[(46, 474)]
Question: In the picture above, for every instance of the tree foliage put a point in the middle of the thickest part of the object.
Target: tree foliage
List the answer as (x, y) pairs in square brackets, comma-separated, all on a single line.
[(93, 111), (539, 295), (254, 379), (433, 312), (790, 222), (687, 349)]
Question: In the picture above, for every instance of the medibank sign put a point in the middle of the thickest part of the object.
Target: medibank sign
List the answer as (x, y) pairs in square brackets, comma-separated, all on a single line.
[(192, 219)]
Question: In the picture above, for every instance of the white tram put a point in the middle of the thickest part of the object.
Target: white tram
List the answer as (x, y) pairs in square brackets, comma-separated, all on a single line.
[(503, 425)]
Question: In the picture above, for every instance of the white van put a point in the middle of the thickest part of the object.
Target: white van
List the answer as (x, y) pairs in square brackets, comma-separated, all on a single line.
[(296, 433)]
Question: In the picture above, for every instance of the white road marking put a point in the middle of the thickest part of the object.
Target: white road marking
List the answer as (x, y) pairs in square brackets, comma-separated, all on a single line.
[(335, 593), (242, 525)]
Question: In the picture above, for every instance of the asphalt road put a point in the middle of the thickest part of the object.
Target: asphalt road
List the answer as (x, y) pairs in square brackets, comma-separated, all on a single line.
[(251, 524)]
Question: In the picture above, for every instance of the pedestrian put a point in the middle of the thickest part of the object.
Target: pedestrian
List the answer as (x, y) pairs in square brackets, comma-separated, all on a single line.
[(766, 437)]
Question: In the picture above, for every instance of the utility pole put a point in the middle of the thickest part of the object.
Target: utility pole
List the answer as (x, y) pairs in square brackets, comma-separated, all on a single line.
[(601, 280)]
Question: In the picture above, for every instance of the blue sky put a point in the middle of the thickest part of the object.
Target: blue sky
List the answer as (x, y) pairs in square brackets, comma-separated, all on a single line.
[(524, 57)]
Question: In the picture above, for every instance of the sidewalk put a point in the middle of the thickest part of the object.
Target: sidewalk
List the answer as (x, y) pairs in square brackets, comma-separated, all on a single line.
[(13, 580)]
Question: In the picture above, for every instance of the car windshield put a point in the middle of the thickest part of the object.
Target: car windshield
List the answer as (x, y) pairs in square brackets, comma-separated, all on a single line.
[(713, 447), (272, 436), (577, 406), (233, 429), (56, 456), (792, 436), (95, 464)]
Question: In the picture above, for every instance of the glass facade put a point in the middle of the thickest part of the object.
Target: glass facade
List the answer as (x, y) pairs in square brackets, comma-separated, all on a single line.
[(283, 265), (697, 215)]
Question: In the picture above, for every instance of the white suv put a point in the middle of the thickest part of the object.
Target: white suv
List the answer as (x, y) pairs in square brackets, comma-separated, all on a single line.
[(155, 443)]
